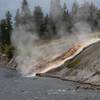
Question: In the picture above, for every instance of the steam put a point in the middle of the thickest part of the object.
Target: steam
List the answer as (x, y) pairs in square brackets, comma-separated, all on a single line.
[(82, 30), (32, 52), (23, 42)]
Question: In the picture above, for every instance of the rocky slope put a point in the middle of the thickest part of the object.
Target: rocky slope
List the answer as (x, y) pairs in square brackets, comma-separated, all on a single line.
[(85, 67), (8, 63)]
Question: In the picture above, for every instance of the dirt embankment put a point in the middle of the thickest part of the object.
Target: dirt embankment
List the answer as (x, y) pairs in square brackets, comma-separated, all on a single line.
[(8, 63), (3, 59)]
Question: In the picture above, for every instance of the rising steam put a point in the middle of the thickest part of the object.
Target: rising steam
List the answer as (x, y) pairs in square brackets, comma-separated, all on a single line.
[(32, 52)]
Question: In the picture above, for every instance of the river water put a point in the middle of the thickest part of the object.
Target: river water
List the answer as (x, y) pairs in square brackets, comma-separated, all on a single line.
[(15, 87)]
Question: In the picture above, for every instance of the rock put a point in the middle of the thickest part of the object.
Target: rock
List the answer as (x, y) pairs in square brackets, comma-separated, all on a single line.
[(81, 68), (3, 59), (12, 63)]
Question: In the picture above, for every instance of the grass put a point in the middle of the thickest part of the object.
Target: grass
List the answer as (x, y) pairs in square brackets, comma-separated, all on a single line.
[(7, 49), (73, 64)]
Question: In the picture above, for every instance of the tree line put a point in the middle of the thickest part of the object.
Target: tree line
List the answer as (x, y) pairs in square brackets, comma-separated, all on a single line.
[(45, 25)]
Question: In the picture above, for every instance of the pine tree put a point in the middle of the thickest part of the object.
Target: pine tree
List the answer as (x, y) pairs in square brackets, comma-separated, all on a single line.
[(49, 28), (66, 19), (98, 19), (6, 29), (75, 8), (9, 26), (55, 10), (65, 13), (25, 9), (17, 18), (38, 20), (92, 17), (3, 31), (25, 13)]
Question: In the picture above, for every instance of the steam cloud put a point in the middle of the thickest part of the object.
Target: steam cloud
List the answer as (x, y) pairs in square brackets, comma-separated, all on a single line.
[(30, 51)]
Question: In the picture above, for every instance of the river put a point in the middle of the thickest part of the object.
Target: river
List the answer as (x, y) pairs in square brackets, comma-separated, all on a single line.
[(15, 87)]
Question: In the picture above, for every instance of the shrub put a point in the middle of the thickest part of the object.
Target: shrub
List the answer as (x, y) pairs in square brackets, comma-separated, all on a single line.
[(7, 49)]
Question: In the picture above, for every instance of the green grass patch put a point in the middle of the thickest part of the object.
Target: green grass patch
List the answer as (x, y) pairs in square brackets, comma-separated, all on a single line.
[(73, 64), (7, 49)]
